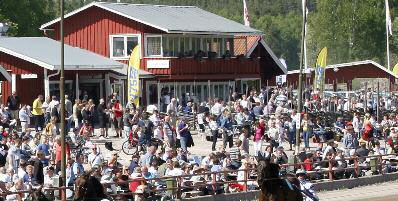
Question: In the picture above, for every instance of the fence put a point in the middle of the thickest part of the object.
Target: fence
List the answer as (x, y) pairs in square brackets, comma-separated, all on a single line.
[(176, 186)]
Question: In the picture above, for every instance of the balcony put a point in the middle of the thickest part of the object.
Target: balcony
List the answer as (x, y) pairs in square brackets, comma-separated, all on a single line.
[(205, 68)]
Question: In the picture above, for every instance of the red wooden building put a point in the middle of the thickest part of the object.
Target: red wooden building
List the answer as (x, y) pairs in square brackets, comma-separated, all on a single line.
[(348, 76), (189, 50), (31, 66)]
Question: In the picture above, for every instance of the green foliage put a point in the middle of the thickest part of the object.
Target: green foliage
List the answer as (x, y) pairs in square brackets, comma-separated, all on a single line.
[(26, 16), (351, 29)]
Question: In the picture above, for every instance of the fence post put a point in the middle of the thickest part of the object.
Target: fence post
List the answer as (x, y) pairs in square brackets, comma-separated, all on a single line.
[(214, 182), (356, 167), (330, 171), (380, 160), (245, 178), (179, 192)]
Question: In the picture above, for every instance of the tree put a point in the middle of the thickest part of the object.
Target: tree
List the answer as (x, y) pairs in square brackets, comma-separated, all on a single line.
[(26, 16)]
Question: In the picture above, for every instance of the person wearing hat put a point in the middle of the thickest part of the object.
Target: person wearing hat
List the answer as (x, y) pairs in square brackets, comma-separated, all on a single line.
[(350, 141), (306, 186)]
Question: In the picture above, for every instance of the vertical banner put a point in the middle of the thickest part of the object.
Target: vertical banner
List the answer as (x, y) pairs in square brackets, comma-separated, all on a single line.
[(133, 78), (319, 80)]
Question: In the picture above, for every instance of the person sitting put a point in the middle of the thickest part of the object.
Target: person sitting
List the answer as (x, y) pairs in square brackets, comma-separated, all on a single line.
[(18, 186), (340, 124), (362, 151)]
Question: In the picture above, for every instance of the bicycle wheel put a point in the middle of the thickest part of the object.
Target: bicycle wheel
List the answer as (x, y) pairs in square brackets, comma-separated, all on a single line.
[(128, 148)]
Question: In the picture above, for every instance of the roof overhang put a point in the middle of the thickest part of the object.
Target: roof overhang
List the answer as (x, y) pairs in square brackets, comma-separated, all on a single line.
[(27, 58), (98, 4), (350, 64), (57, 67), (4, 74)]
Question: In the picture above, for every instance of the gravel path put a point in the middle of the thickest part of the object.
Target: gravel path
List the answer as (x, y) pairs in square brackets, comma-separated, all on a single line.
[(377, 192)]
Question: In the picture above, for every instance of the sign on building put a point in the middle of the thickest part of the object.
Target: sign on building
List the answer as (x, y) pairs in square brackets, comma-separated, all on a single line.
[(280, 79), (28, 76), (158, 64)]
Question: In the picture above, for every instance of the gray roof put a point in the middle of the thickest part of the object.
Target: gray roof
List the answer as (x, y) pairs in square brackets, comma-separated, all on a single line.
[(171, 19), (45, 52)]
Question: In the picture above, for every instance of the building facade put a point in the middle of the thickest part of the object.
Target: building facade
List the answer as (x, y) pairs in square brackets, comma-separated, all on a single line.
[(189, 51)]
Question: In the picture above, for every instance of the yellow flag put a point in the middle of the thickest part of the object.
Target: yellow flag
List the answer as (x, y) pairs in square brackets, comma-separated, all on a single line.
[(319, 80), (395, 69), (133, 79)]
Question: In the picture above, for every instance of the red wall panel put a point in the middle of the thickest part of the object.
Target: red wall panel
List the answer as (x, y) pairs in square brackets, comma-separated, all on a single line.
[(27, 89)]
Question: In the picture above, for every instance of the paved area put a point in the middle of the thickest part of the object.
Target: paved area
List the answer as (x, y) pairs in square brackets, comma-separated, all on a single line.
[(378, 192)]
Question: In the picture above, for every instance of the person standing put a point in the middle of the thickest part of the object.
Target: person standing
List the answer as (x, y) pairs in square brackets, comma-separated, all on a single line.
[(214, 131), (37, 113), (46, 110), (69, 113), (169, 134), (184, 134), (24, 117), (118, 115), (102, 118), (77, 114), (13, 103)]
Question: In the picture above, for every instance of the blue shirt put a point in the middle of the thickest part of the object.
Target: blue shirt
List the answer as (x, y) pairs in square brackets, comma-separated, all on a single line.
[(45, 148), (76, 167)]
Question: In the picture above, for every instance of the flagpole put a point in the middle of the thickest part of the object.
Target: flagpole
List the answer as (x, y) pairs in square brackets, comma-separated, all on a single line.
[(300, 84), (387, 34), (62, 96), (305, 38)]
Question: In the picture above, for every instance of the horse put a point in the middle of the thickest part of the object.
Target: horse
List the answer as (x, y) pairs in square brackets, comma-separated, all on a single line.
[(89, 188), (273, 187), (36, 195)]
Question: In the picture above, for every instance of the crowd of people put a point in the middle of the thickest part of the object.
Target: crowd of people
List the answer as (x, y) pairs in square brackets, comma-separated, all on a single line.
[(30, 143)]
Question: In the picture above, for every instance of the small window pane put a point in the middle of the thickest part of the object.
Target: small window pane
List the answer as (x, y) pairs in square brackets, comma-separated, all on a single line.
[(196, 45), (176, 46), (118, 46), (166, 47), (132, 41), (171, 46), (154, 46), (182, 46), (229, 45)]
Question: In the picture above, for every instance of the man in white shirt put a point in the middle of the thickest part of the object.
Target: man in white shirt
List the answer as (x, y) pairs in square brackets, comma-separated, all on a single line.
[(95, 158), (245, 103), (172, 107), (176, 171), (217, 108)]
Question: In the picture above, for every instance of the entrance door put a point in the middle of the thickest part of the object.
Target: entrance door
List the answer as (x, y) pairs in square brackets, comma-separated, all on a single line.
[(90, 91)]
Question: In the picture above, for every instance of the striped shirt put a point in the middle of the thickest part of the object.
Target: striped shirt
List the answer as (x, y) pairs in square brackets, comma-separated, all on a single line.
[(234, 153)]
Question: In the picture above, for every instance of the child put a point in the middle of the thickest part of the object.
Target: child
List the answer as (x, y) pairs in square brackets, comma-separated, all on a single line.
[(86, 129), (158, 132), (214, 131)]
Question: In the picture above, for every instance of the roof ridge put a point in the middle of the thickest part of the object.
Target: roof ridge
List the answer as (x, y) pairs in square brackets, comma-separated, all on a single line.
[(183, 6)]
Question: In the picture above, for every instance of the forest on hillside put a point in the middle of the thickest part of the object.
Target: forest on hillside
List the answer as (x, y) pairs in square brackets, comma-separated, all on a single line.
[(352, 30)]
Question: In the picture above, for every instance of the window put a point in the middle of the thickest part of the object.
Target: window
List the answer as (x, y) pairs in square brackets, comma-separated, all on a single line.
[(196, 45), (229, 46), (154, 46), (216, 46), (123, 45)]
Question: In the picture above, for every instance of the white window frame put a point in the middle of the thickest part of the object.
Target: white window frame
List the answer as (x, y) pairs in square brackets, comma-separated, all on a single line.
[(222, 39), (125, 36), (146, 36)]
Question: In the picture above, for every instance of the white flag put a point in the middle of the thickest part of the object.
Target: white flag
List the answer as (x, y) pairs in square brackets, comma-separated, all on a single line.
[(246, 14), (388, 19)]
